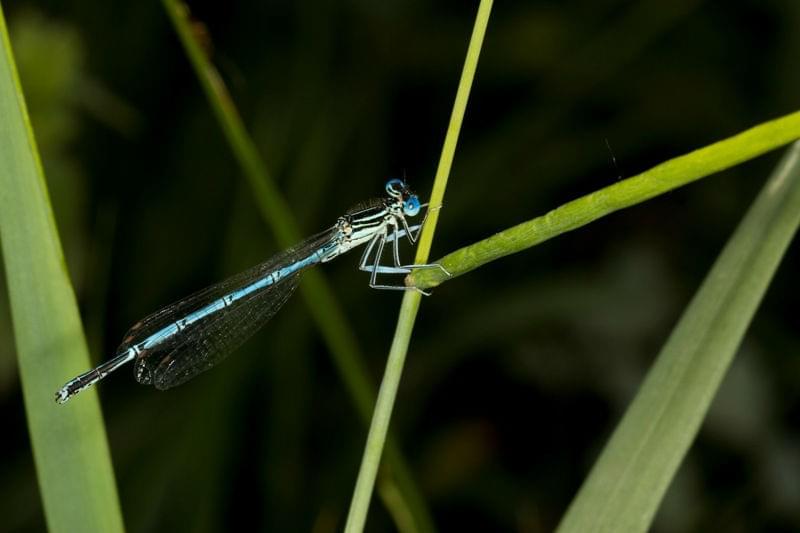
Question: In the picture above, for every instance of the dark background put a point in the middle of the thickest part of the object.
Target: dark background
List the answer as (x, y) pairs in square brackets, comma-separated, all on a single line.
[(518, 371)]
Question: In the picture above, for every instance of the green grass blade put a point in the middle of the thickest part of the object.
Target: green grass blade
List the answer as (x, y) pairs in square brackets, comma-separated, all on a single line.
[(405, 499), (73, 464), (627, 483), (662, 178), (410, 306)]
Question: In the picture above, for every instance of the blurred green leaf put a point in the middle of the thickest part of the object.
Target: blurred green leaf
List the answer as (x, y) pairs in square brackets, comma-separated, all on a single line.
[(627, 483), (69, 443)]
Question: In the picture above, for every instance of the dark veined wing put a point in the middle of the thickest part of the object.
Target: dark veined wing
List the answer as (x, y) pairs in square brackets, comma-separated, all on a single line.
[(202, 343), (223, 332)]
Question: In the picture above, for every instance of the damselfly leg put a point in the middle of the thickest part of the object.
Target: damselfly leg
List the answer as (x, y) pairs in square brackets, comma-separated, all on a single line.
[(393, 235)]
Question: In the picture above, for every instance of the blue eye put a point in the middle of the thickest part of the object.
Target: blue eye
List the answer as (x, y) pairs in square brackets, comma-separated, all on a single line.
[(395, 188), (411, 206)]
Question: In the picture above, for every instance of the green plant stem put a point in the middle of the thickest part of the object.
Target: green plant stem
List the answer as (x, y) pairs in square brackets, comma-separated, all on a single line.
[(627, 483), (411, 300), (662, 178), (336, 331), (73, 464)]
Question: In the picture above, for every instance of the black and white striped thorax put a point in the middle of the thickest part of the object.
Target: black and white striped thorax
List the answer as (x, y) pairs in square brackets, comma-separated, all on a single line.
[(380, 216)]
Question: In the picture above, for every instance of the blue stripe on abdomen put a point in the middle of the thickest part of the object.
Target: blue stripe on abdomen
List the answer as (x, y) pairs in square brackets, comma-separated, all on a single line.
[(221, 303)]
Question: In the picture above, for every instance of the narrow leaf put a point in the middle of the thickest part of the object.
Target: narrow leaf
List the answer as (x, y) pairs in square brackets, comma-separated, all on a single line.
[(376, 439), (662, 178), (69, 442), (627, 483)]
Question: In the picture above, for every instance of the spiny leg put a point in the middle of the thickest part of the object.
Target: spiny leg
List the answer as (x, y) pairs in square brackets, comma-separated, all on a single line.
[(396, 245), (399, 234), (376, 268), (413, 236), (362, 264), (410, 267)]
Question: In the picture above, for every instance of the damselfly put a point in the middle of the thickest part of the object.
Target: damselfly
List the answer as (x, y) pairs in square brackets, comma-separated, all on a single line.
[(180, 341)]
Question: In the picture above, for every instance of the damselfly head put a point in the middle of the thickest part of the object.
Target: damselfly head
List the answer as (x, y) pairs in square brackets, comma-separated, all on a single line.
[(399, 190), (411, 205), (396, 188)]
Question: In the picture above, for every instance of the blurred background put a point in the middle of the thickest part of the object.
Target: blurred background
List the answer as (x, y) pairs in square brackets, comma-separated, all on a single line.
[(518, 371)]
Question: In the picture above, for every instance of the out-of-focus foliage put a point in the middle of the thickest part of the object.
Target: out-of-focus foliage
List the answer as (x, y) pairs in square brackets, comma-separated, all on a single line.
[(73, 461), (627, 483), (518, 371), (49, 58)]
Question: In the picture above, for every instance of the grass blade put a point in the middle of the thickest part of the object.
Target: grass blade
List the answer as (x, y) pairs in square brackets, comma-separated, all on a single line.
[(628, 481), (662, 178), (410, 306), (69, 442)]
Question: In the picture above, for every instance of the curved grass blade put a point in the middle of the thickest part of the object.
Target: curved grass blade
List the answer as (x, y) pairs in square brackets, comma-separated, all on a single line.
[(73, 464), (628, 481), (662, 178)]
